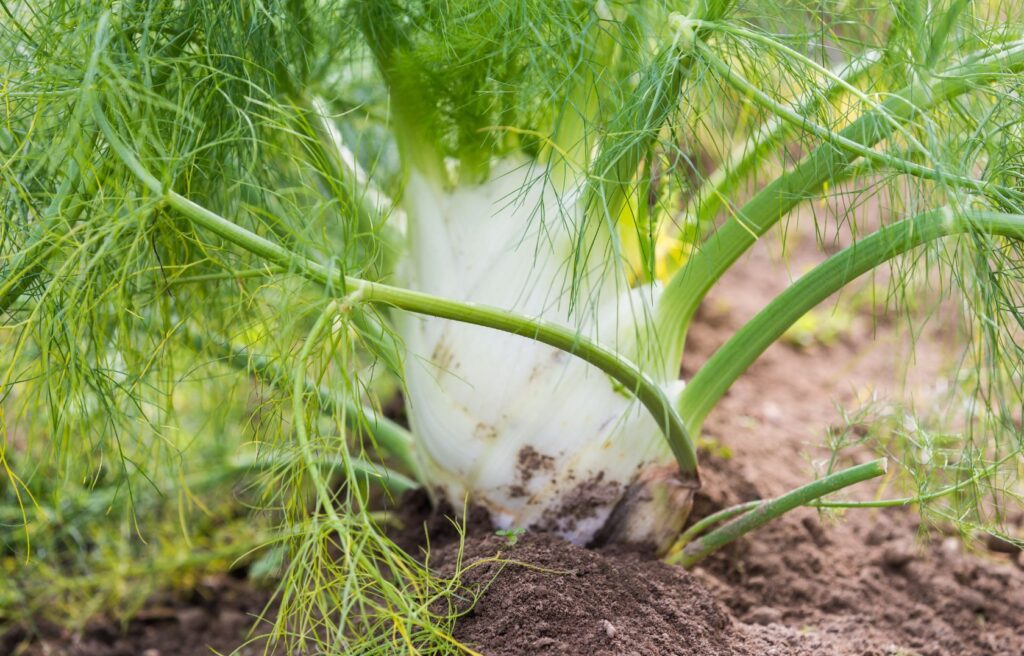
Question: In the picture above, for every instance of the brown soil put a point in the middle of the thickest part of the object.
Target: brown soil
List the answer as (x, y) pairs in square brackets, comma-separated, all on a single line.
[(865, 585), (550, 597), (215, 617)]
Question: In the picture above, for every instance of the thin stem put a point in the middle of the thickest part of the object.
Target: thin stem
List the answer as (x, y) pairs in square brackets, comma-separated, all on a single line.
[(27, 266), (324, 495), (701, 548), (827, 163), (891, 162), (560, 337), (733, 511), (385, 433), (99, 501), (794, 55), (930, 496), (727, 363), (725, 179), (262, 272), (346, 179)]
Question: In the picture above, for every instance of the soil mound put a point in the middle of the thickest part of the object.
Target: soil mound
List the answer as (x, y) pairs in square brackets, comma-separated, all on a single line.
[(546, 596)]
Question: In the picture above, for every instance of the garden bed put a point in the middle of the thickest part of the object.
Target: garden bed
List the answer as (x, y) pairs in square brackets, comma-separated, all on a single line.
[(866, 584), (804, 584)]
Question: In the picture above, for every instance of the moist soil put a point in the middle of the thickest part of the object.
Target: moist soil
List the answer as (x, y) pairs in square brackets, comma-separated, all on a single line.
[(870, 582)]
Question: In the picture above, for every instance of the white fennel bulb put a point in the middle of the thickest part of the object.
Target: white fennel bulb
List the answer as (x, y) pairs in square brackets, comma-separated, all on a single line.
[(534, 435)]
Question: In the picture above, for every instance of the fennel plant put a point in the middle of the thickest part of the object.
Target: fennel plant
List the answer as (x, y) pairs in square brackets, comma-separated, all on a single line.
[(499, 207)]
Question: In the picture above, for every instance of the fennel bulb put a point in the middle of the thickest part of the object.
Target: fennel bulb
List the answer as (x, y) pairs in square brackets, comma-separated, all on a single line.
[(537, 437)]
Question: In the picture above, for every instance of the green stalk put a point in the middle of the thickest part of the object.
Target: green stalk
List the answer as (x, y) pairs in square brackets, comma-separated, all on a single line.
[(385, 433), (701, 548), (560, 337), (568, 151), (723, 515), (727, 363), (386, 34), (828, 162), (726, 514)]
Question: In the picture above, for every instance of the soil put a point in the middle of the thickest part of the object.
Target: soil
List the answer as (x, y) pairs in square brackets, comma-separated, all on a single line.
[(550, 597), (868, 583), (215, 617)]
